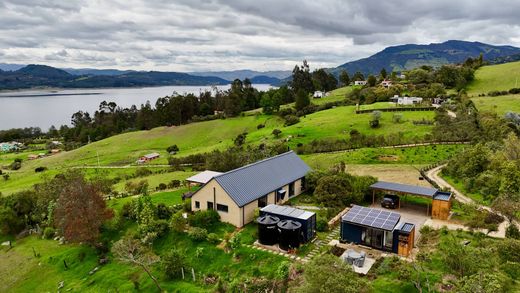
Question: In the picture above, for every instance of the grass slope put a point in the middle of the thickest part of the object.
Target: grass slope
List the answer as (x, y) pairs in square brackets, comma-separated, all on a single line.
[(495, 77), (499, 105)]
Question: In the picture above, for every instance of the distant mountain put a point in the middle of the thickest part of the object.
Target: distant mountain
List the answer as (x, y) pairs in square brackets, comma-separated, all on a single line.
[(262, 79), (243, 74), (11, 67), (405, 57), (92, 71), (46, 76)]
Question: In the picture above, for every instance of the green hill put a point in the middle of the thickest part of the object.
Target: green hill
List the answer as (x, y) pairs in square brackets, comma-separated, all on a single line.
[(500, 77)]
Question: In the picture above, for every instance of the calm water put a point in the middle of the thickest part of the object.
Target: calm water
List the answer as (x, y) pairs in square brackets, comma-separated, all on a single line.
[(43, 108)]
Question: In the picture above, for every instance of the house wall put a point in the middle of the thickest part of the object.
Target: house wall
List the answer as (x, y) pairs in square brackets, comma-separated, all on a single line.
[(205, 194), (350, 233), (441, 209), (237, 216)]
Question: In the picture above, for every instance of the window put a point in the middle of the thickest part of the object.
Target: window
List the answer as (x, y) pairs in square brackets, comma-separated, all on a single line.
[(262, 202), (197, 205), (222, 208), (210, 205)]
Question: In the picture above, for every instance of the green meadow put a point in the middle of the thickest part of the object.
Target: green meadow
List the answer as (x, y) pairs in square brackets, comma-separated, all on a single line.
[(501, 77)]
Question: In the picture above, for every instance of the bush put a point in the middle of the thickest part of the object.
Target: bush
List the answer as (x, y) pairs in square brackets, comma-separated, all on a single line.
[(276, 132), (321, 224), (48, 233), (39, 169), (16, 165), (174, 183), (198, 234), (173, 149), (172, 264), (260, 126), (142, 172), (291, 120), (161, 186), (127, 211), (178, 222), (512, 232), (160, 227), (163, 212), (374, 123), (204, 219), (213, 238), (282, 272)]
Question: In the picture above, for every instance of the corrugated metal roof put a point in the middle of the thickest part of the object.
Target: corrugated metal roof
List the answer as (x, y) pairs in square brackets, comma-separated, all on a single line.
[(374, 218), (441, 195), (404, 188), (253, 181), (287, 211), (203, 177)]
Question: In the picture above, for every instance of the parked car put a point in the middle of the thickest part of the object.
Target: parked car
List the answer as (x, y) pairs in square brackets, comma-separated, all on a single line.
[(390, 201)]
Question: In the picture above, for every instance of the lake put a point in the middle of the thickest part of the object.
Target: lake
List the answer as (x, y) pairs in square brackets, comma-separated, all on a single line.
[(43, 108)]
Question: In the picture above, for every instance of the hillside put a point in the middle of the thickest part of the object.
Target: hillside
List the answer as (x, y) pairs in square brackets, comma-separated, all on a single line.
[(500, 77), (46, 76), (405, 57)]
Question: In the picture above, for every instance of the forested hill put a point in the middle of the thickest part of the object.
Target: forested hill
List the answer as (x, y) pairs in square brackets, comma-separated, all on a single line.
[(46, 76), (405, 57)]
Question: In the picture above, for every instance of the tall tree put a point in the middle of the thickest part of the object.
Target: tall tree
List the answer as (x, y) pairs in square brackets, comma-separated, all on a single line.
[(344, 78), (302, 79), (383, 74), (302, 100), (371, 80), (81, 210), (358, 76)]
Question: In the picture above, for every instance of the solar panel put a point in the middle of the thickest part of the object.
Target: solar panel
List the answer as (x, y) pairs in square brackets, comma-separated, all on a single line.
[(372, 217)]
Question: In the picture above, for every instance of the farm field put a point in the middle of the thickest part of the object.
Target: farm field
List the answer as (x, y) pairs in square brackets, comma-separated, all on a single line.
[(124, 149), (499, 104), (495, 78)]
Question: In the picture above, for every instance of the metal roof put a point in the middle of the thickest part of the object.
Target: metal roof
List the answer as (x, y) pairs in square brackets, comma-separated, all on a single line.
[(404, 188), (287, 211), (407, 227), (374, 218), (441, 195), (203, 177), (253, 181)]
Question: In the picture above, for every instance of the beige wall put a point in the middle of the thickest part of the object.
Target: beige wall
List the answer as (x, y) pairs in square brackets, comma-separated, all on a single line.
[(205, 194), (235, 213)]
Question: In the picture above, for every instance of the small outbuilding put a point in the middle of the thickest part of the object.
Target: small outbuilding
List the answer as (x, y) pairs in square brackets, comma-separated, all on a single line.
[(305, 218), (201, 178), (148, 157)]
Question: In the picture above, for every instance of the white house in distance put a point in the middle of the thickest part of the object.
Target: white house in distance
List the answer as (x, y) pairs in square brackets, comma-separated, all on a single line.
[(237, 193), (406, 100), (360, 82), (386, 83), (318, 94)]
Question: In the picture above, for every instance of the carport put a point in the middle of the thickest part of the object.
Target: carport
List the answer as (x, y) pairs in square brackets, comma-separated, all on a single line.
[(441, 201)]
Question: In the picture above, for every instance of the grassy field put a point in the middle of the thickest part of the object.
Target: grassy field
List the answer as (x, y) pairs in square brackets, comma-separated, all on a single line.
[(124, 149), (155, 179), (499, 105), (495, 77), (420, 155)]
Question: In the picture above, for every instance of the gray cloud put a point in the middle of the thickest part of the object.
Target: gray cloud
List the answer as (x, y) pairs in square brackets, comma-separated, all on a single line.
[(232, 34)]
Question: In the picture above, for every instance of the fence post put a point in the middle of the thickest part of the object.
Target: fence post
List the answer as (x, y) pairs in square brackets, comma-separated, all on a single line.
[(182, 270), (193, 273)]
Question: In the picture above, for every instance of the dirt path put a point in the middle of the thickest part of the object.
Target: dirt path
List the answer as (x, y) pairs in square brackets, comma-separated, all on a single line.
[(434, 175)]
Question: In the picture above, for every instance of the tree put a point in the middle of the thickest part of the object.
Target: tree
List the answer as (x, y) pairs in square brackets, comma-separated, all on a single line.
[(327, 273), (324, 81), (302, 100), (172, 149), (358, 76), (240, 139), (81, 210), (371, 81), (344, 78), (131, 251), (383, 74), (302, 79)]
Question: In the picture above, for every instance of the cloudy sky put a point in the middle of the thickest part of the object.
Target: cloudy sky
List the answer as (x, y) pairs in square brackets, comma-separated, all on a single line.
[(198, 35)]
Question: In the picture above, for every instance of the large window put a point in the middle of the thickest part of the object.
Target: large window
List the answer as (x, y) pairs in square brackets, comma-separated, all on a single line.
[(210, 205), (197, 205), (222, 208), (389, 239), (262, 202)]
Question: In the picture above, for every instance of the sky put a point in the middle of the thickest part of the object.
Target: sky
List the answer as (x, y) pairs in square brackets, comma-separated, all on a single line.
[(214, 35)]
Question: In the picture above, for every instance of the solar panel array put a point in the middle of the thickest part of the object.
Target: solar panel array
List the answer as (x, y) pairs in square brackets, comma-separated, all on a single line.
[(374, 218)]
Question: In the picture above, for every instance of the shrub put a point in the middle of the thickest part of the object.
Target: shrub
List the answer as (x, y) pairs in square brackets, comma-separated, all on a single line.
[(276, 132), (512, 232), (161, 186), (39, 169), (321, 224), (374, 123), (260, 126), (291, 120), (282, 272), (397, 117), (127, 211), (173, 149), (163, 212), (16, 165), (213, 238), (142, 172), (48, 232), (204, 219), (160, 227), (178, 222), (172, 263), (198, 234), (174, 183)]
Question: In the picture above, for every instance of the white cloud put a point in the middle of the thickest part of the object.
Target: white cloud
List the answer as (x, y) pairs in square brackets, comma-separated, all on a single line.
[(230, 34)]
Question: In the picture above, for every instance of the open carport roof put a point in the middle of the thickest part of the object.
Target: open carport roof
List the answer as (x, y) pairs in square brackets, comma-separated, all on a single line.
[(404, 188)]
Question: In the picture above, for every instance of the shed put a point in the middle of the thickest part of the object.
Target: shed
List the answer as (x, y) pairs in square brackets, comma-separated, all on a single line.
[(441, 205), (404, 239), (201, 178), (306, 218), (370, 227)]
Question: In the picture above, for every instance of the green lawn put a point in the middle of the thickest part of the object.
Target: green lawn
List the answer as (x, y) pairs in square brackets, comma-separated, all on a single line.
[(420, 155), (460, 187), (167, 197), (155, 179), (499, 104), (495, 77)]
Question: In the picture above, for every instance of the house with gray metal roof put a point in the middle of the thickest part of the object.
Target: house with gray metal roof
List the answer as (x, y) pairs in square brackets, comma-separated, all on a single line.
[(236, 194)]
